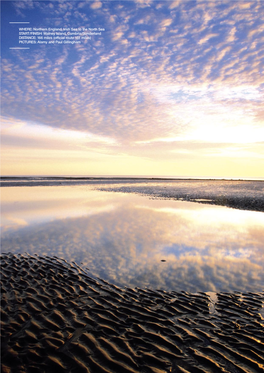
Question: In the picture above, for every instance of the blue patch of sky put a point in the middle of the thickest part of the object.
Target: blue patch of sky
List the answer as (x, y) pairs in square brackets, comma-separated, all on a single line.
[(9, 37), (221, 6), (140, 97), (183, 96)]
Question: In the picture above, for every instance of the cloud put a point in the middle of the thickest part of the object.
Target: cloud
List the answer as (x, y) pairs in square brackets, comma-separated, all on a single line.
[(96, 5), (160, 70), (166, 22), (174, 4), (207, 38)]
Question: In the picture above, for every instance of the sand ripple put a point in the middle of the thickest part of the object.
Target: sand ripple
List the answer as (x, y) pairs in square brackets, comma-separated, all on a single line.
[(54, 317)]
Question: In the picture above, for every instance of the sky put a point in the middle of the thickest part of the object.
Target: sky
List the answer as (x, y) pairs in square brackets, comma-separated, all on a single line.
[(164, 88)]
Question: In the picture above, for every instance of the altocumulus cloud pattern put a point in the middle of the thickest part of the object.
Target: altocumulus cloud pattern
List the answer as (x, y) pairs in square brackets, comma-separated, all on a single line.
[(183, 77)]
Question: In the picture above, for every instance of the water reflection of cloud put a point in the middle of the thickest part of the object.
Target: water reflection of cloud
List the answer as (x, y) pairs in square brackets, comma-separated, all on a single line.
[(217, 231), (9, 222), (125, 245), (41, 204)]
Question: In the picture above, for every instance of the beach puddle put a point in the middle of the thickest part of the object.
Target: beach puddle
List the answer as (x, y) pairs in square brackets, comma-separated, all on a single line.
[(132, 240)]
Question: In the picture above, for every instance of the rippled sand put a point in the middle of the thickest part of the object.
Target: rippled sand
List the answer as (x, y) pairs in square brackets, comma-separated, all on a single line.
[(57, 318)]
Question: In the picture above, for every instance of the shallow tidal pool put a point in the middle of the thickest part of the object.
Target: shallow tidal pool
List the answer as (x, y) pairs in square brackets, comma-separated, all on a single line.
[(132, 240)]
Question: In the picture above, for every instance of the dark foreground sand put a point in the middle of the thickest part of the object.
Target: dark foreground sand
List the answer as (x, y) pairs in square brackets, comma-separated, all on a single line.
[(55, 318)]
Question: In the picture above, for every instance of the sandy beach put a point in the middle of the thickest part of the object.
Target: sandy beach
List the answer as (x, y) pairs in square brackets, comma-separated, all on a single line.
[(54, 317), (239, 194)]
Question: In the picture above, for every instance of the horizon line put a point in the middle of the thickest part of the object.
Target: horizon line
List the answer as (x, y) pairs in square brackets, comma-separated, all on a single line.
[(148, 177)]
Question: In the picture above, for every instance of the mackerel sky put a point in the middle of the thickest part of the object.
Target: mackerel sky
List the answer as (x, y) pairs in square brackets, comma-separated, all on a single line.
[(169, 88)]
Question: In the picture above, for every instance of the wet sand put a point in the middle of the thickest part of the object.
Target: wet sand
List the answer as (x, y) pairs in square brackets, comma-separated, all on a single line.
[(55, 318), (238, 194)]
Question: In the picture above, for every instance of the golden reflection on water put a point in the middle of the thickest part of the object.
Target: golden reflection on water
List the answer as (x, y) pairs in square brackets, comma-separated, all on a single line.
[(131, 240)]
